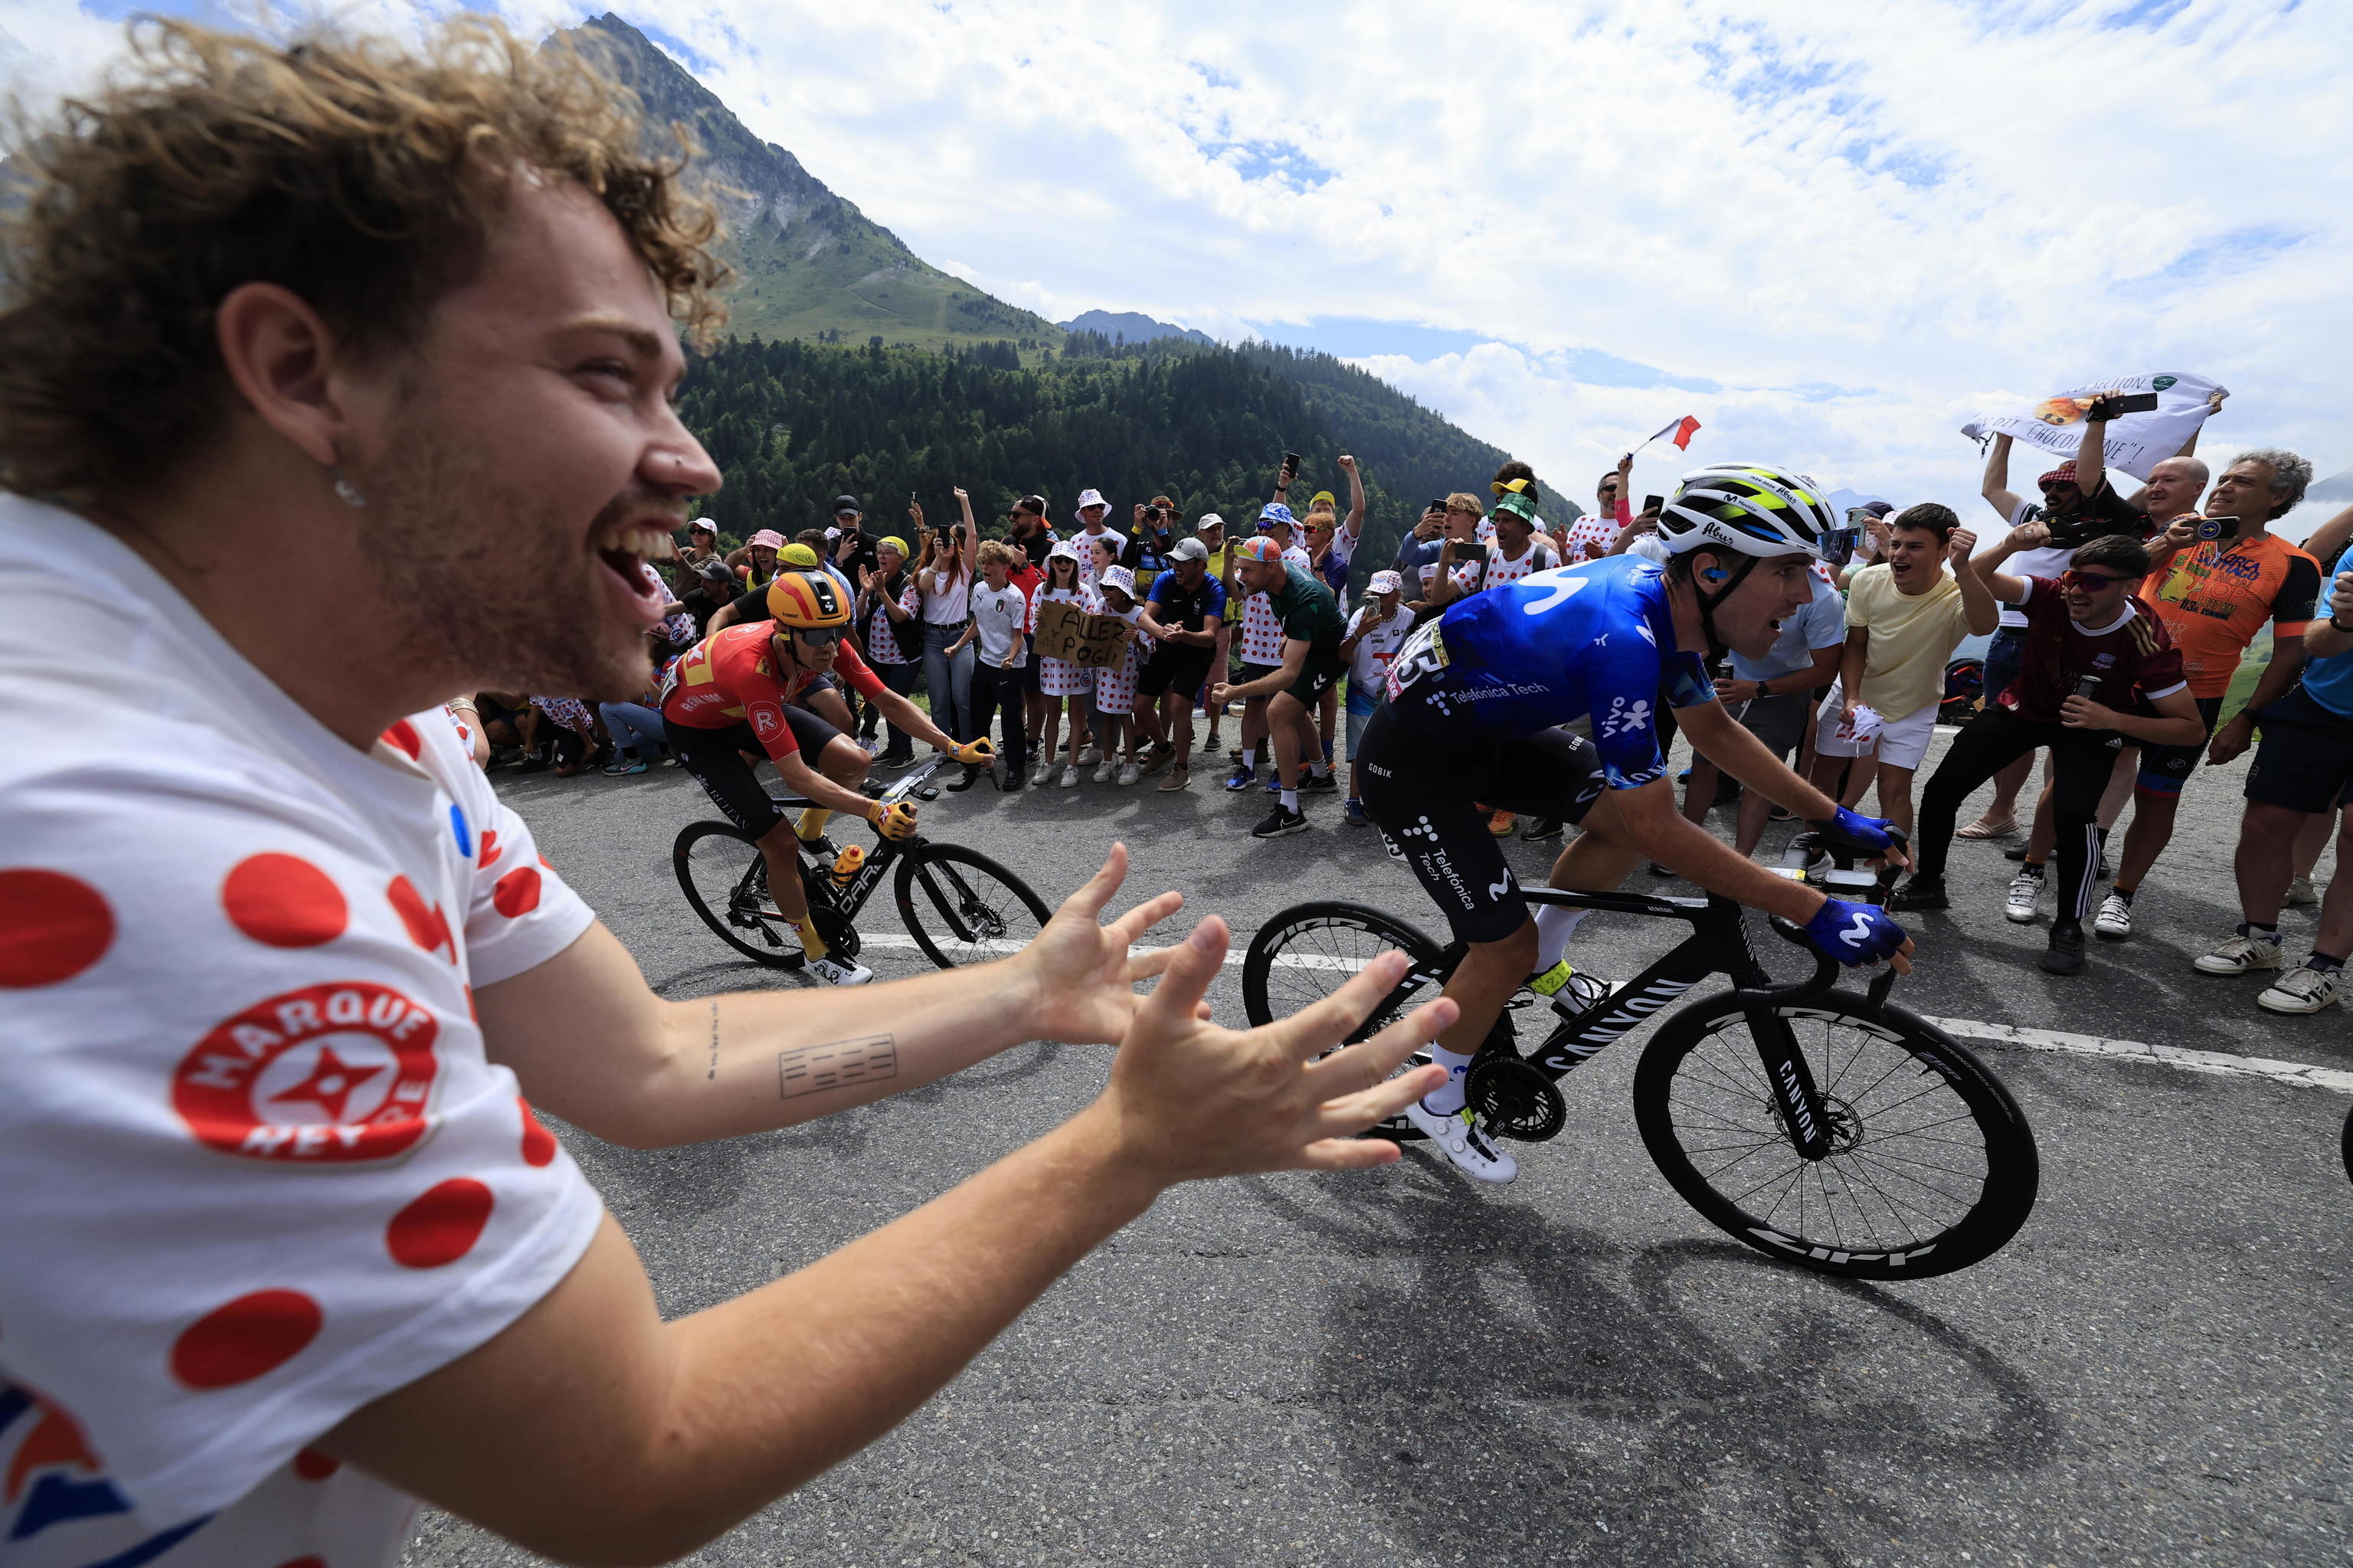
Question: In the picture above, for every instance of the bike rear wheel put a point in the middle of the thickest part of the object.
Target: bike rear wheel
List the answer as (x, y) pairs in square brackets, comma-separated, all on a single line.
[(1931, 1168), (1310, 950), (962, 907), (726, 881)]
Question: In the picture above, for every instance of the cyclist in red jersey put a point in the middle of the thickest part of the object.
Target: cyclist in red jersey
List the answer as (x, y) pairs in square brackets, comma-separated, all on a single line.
[(737, 689)]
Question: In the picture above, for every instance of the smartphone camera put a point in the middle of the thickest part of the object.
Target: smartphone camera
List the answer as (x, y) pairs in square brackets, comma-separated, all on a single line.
[(2210, 529)]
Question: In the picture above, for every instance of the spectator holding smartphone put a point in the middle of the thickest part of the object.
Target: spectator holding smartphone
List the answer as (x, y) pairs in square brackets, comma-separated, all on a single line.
[(1374, 635), (890, 623), (998, 633), (945, 577), (2214, 581)]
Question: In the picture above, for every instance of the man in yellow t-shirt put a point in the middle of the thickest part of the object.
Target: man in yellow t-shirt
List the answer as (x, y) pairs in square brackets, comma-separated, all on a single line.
[(1905, 617)]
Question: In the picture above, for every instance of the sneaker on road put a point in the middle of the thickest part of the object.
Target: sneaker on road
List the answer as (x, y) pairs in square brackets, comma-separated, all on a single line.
[(1354, 816), (1241, 777), (1129, 773), (1540, 829), (1318, 784), (1465, 1143), (1070, 777), (1179, 778), (834, 971), (2114, 918), (2065, 956), (2302, 989), (1280, 821), (1923, 891), (1045, 770), (1502, 824), (1103, 771), (2301, 894), (1086, 755), (2241, 954), (2025, 894)]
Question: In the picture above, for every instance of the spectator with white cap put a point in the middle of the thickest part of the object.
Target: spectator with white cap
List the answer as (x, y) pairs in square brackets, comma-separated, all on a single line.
[(1185, 615), (701, 541), (1211, 531), (1114, 683), (1059, 680), (1092, 511), (1375, 634)]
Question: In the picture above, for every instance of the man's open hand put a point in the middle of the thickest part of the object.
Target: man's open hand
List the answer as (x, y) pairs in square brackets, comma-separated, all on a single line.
[(1188, 1100), (1083, 973)]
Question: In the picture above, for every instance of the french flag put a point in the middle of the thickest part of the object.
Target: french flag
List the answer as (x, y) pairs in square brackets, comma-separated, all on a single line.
[(1683, 430)]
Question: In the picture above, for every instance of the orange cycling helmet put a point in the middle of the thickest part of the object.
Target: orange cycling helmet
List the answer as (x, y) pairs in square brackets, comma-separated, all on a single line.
[(806, 600)]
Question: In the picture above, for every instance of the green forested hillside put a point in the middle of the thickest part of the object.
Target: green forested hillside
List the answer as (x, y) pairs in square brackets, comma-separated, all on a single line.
[(793, 424)]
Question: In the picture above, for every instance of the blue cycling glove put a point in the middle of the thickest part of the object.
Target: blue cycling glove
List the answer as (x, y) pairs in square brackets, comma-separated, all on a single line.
[(1870, 837), (1852, 933)]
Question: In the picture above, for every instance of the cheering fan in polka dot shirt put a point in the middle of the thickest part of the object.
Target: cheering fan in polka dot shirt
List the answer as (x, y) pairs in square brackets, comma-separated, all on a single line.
[(284, 1247)]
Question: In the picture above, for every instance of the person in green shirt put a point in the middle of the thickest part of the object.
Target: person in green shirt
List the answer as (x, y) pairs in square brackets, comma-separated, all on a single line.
[(1312, 631)]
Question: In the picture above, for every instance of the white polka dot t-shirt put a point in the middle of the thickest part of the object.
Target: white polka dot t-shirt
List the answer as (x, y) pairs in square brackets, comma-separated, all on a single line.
[(256, 1171), (1262, 631)]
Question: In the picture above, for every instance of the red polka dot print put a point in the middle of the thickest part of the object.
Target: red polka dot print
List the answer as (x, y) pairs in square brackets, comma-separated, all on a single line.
[(489, 851), (312, 1466), (245, 1339), (427, 927), (402, 736), (52, 927), (517, 892), (441, 1226), (284, 901), (538, 1143)]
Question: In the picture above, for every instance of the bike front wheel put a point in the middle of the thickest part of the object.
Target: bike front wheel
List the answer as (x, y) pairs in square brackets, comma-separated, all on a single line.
[(1310, 950), (962, 907), (726, 881), (1931, 1165)]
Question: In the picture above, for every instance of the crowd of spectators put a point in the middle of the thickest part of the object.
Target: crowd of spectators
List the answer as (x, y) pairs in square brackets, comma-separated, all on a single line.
[(2116, 621)]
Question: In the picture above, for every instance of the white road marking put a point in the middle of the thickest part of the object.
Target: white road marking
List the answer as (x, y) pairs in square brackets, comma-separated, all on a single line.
[(2219, 1063)]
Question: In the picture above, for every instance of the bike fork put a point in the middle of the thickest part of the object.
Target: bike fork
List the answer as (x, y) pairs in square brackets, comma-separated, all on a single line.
[(1795, 1095)]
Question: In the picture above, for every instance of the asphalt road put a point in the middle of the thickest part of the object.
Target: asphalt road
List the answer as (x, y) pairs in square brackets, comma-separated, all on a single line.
[(1394, 1367)]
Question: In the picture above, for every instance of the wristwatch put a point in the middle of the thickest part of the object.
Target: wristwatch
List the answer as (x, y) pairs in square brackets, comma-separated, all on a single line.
[(2337, 623)]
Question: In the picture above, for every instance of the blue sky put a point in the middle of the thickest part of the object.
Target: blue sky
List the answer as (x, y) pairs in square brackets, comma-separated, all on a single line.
[(1832, 232)]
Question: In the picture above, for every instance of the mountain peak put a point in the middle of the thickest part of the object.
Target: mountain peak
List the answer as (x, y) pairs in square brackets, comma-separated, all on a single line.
[(808, 263), (1132, 326)]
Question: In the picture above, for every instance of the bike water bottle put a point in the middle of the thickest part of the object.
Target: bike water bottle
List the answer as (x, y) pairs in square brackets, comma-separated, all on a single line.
[(846, 865)]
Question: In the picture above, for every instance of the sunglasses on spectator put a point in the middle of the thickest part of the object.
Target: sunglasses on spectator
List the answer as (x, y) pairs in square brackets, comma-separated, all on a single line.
[(818, 636), (2090, 582)]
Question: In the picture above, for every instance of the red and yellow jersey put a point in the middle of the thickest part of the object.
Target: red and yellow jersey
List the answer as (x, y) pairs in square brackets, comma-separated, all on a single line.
[(733, 676), (2214, 600)]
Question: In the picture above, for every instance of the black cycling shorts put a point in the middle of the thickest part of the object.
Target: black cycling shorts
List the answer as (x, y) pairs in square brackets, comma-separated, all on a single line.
[(1174, 666), (715, 757), (1422, 788), (2304, 761), (2165, 768)]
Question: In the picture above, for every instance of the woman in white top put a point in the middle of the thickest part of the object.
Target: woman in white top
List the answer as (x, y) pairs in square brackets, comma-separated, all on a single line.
[(1000, 616), (944, 576), (1057, 679)]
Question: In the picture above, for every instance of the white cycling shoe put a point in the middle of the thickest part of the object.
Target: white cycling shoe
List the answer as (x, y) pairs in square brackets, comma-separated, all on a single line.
[(833, 971), (1465, 1141)]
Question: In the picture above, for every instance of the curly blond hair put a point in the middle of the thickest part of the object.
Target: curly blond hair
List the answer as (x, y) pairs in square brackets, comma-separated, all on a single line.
[(362, 175)]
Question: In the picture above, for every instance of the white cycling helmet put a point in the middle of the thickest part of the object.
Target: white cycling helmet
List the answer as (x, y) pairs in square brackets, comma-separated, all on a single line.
[(1747, 507)]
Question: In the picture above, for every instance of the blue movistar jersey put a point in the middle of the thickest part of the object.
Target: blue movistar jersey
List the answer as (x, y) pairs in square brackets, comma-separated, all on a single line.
[(1593, 639)]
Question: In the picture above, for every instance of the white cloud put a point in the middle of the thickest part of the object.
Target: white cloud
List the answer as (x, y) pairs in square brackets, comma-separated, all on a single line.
[(1931, 207)]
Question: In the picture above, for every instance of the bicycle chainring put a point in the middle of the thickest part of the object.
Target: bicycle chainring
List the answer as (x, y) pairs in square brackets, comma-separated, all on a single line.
[(1515, 1100)]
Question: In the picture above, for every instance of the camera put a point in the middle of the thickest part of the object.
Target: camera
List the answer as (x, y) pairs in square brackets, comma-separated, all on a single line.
[(2217, 529), (2111, 405), (2068, 533)]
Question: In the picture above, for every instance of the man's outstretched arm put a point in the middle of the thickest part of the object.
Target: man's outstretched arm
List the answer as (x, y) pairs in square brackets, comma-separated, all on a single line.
[(593, 1044), (593, 1431)]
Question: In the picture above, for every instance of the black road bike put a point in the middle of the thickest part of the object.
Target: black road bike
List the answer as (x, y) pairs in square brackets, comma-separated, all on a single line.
[(1829, 1127), (961, 906)]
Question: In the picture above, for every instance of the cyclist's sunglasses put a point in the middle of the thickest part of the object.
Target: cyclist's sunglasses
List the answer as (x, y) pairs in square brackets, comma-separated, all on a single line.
[(818, 636), (2090, 582)]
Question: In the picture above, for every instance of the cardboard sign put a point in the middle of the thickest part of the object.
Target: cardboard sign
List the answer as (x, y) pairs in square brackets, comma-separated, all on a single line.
[(2135, 443), (1091, 641)]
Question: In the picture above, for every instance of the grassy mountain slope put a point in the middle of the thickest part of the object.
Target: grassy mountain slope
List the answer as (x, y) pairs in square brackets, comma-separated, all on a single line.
[(792, 425), (812, 264)]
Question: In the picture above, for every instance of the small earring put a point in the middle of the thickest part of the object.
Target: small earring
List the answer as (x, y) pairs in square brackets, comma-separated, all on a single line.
[(345, 490)]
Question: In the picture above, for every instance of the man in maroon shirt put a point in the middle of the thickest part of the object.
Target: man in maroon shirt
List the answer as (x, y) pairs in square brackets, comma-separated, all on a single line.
[(2096, 668)]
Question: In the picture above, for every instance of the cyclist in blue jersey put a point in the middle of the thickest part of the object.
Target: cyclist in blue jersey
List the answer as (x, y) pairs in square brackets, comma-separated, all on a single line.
[(1477, 699)]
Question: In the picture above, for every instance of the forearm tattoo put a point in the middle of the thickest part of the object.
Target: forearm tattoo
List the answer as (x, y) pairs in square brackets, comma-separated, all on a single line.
[(713, 1070), (836, 1064)]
